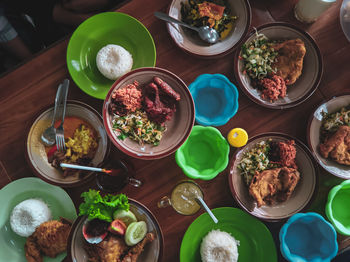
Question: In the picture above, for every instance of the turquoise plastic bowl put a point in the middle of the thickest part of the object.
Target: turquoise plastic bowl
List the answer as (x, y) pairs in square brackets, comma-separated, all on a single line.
[(215, 99), (204, 154), (308, 237), (337, 207)]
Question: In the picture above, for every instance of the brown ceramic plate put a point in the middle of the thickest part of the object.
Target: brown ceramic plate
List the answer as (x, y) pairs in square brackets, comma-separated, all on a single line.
[(315, 122), (153, 251), (302, 194), (309, 79), (192, 44), (178, 128), (35, 149)]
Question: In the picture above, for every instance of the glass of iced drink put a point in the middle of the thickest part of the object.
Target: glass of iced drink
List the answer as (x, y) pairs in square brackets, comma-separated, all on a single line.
[(183, 198)]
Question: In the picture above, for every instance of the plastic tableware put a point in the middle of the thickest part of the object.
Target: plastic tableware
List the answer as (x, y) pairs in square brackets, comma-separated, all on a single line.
[(215, 99), (59, 202), (98, 31), (337, 207), (308, 237), (256, 242), (204, 154), (237, 137)]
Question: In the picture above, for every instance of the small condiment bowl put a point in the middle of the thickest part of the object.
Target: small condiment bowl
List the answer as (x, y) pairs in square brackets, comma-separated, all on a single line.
[(308, 237), (192, 44), (204, 154), (337, 207), (313, 135), (303, 193), (309, 79), (215, 99)]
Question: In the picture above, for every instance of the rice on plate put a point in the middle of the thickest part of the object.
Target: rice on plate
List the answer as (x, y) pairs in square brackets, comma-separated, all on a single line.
[(113, 61), (219, 246), (28, 215)]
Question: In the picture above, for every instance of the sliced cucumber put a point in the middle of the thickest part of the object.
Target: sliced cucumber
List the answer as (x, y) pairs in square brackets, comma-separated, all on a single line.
[(135, 232), (126, 216)]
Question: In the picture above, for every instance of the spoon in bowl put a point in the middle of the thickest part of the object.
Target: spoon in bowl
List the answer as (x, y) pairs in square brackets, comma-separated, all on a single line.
[(48, 137), (207, 34)]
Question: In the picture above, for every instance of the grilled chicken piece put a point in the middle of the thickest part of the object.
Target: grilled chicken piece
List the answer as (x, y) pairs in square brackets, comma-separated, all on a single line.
[(290, 59), (338, 146), (135, 251), (273, 185)]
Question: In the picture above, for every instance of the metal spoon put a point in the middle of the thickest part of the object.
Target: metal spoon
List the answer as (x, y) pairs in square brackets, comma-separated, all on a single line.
[(207, 34), (48, 137)]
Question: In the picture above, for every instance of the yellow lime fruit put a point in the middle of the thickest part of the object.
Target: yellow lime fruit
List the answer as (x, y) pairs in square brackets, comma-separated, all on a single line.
[(237, 137)]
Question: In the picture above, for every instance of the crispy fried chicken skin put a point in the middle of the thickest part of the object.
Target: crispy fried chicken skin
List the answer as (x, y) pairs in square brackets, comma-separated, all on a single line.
[(273, 185), (114, 249), (49, 239), (290, 58), (337, 146)]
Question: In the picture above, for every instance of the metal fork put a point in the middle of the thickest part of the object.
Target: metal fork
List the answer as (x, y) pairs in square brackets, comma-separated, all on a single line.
[(60, 142)]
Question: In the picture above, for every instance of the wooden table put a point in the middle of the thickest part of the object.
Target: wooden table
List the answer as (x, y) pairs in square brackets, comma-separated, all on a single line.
[(32, 86)]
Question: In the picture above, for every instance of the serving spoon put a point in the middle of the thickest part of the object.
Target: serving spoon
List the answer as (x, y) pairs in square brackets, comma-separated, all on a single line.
[(207, 34)]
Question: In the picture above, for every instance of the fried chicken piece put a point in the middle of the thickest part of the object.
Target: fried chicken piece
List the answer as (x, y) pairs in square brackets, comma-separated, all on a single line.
[(273, 185), (32, 251), (50, 239), (135, 251), (109, 250), (290, 58), (338, 146)]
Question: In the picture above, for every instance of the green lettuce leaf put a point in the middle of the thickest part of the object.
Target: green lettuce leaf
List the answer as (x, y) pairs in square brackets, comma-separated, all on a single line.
[(96, 206)]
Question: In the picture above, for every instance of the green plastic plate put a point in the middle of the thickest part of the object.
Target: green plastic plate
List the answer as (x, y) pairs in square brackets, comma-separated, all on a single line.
[(256, 242), (97, 32), (12, 245)]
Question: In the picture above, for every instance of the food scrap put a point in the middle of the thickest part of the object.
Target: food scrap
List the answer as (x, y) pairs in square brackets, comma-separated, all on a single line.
[(80, 149), (270, 171), (272, 65), (213, 13), (140, 112)]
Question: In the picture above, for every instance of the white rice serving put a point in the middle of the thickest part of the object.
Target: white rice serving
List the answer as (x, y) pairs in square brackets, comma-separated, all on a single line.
[(218, 246), (28, 215), (113, 61)]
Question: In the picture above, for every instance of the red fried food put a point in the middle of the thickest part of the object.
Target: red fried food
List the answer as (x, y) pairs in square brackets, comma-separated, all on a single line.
[(160, 101), (213, 11), (273, 88), (126, 99), (284, 153)]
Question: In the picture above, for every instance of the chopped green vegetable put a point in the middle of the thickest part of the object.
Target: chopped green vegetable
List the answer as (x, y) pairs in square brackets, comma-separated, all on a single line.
[(332, 121), (96, 206)]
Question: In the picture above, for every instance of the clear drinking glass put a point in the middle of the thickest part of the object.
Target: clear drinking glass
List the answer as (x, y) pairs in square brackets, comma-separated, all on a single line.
[(183, 198), (307, 11)]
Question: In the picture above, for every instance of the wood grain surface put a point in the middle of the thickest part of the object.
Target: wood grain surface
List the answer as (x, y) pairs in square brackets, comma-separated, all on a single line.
[(32, 86)]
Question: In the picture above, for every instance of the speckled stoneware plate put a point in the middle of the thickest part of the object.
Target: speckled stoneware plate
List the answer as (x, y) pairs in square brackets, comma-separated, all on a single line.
[(192, 44), (153, 251), (35, 149), (315, 121), (177, 129), (59, 202), (302, 194), (309, 79)]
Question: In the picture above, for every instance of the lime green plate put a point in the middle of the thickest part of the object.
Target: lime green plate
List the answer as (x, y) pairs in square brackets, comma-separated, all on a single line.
[(256, 243), (97, 32), (12, 245)]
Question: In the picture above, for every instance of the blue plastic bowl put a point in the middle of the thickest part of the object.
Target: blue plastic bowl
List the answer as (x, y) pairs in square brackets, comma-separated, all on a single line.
[(308, 237), (215, 99)]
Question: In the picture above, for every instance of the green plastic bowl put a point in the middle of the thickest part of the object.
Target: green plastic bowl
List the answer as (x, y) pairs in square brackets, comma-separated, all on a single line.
[(337, 207), (97, 32), (204, 154)]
